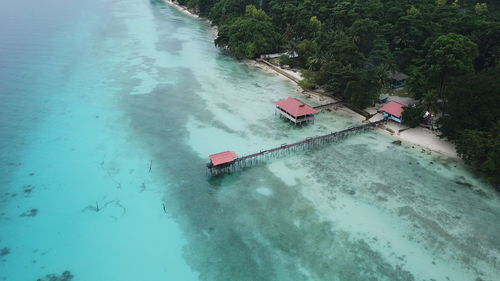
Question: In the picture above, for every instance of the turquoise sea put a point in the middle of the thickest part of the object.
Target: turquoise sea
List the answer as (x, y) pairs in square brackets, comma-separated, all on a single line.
[(109, 110)]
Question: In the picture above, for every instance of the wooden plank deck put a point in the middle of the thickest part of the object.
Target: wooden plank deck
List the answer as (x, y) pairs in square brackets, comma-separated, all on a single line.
[(284, 149)]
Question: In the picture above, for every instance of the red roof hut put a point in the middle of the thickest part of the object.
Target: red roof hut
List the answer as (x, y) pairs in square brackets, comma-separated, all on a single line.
[(295, 110), (223, 158), (393, 110)]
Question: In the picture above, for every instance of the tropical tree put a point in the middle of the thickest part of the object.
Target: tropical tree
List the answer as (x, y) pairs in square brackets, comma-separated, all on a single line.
[(450, 55), (413, 115), (249, 35), (224, 10), (481, 149), (473, 103)]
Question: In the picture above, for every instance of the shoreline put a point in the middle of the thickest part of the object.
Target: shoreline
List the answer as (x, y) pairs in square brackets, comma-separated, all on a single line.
[(186, 11), (428, 141)]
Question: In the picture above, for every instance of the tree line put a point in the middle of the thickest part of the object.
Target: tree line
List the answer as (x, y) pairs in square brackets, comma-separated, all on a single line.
[(449, 49)]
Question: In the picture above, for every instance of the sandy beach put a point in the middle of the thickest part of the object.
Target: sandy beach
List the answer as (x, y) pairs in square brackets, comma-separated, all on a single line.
[(426, 140)]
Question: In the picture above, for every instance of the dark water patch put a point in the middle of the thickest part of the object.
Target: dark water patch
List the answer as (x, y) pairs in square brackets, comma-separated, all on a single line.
[(28, 189), (171, 103), (29, 213), (4, 251), (65, 276), (170, 45)]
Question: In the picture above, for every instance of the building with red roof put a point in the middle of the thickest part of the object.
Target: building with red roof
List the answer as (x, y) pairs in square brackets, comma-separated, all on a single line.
[(393, 110), (223, 159), (295, 110)]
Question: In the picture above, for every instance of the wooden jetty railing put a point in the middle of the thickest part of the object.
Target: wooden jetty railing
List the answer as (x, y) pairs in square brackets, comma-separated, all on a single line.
[(323, 106), (284, 149)]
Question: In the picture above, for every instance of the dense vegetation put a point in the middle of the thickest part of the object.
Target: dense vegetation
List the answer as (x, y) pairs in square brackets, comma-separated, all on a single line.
[(449, 48)]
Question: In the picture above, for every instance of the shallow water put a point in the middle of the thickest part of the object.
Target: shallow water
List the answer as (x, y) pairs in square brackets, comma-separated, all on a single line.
[(110, 109)]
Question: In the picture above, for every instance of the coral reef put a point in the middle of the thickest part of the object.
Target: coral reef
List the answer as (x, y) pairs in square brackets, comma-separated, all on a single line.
[(4, 252), (65, 276), (30, 213)]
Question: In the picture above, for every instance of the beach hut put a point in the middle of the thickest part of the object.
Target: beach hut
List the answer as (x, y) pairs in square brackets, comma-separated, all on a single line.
[(398, 79), (393, 110), (295, 110), (223, 159)]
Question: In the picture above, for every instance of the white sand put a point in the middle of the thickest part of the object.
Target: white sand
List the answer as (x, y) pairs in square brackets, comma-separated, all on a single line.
[(422, 137), (182, 9)]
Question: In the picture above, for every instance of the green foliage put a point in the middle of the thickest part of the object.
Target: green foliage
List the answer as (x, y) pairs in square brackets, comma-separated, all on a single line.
[(474, 103), (481, 149), (417, 83), (309, 80), (481, 8), (191, 4), (314, 25), (450, 55), (335, 76), (487, 36), (225, 10), (285, 60), (252, 12), (204, 6), (413, 115), (380, 54), (307, 50), (249, 35), (472, 122), (306, 84), (413, 12), (440, 2), (363, 90), (364, 32), (340, 47)]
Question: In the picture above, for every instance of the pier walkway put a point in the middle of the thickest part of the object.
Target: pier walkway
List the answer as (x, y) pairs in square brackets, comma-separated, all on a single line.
[(284, 149), (324, 106)]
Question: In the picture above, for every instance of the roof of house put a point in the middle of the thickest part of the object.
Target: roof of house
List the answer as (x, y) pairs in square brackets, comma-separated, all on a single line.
[(394, 108), (295, 107), (223, 158), (398, 76)]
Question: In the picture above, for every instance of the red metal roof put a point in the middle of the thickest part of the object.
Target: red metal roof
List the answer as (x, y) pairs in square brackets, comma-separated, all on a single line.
[(393, 108), (223, 157), (295, 107)]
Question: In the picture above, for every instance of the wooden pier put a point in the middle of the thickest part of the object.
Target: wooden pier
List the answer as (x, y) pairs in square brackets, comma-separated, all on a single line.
[(309, 143), (325, 106)]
